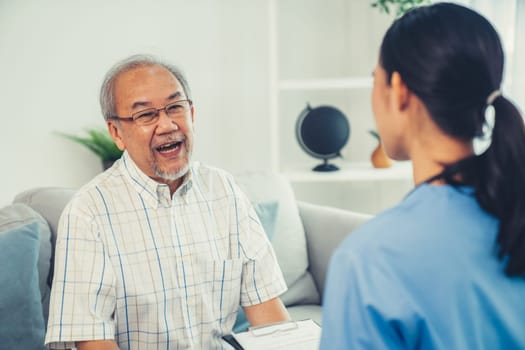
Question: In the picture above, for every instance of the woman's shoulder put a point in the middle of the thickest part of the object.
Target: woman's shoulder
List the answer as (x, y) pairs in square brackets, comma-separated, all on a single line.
[(426, 215), (377, 231)]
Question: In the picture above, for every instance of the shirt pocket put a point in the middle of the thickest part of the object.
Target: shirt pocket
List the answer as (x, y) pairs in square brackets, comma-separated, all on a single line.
[(217, 288)]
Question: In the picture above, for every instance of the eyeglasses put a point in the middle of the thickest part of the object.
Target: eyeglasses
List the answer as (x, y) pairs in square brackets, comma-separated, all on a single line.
[(151, 115)]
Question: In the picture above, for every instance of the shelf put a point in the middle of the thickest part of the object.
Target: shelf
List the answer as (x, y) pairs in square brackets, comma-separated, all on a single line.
[(326, 84), (352, 171)]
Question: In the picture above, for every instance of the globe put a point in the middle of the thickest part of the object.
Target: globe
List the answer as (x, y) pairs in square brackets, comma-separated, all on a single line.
[(322, 132)]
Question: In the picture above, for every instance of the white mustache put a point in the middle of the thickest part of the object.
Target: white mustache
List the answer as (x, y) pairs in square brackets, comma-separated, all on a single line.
[(173, 137)]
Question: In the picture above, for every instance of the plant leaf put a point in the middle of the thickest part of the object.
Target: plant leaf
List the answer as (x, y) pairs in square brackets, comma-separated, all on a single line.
[(98, 141), (375, 134)]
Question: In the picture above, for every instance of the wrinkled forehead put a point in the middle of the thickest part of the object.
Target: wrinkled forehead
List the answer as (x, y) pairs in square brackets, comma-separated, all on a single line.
[(144, 75), (149, 84)]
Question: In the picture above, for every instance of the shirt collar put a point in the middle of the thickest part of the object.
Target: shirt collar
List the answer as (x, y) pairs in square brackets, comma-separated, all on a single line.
[(155, 193)]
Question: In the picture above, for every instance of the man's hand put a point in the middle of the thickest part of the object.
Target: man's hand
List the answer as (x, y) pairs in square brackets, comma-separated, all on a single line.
[(268, 312), (97, 345)]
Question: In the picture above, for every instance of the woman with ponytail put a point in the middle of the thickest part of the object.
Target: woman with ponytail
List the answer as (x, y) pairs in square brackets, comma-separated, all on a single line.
[(445, 268)]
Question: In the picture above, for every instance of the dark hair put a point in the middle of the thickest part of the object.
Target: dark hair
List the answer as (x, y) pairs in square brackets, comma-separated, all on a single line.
[(452, 59)]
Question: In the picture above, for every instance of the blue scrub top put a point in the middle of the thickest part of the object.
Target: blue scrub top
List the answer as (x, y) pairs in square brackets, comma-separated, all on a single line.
[(424, 275)]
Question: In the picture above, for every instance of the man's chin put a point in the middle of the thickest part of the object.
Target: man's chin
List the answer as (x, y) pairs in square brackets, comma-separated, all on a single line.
[(172, 175)]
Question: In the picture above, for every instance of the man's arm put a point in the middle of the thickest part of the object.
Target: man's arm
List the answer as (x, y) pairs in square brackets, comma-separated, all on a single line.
[(270, 311), (97, 345)]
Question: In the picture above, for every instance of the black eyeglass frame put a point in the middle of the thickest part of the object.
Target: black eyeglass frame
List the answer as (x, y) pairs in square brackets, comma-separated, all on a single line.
[(136, 115)]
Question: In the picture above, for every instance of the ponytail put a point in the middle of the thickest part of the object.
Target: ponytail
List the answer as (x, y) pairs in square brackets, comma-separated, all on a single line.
[(498, 178), (501, 186)]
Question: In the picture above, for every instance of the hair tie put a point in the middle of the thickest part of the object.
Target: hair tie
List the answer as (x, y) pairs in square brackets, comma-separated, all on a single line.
[(482, 142), (493, 96)]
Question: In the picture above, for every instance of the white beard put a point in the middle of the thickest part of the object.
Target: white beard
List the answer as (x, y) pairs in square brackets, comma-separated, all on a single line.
[(177, 174), (172, 176)]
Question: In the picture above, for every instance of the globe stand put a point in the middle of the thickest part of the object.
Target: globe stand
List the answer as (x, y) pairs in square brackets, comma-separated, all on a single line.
[(325, 167)]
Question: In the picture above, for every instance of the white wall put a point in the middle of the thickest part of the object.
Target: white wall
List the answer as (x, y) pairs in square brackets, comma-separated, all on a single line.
[(54, 54)]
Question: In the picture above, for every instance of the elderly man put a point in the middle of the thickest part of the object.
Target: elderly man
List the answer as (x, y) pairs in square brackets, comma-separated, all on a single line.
[(158, 252)]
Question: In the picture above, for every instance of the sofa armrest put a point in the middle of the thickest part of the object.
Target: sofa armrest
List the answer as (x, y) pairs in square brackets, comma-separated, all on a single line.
[(325, 227)]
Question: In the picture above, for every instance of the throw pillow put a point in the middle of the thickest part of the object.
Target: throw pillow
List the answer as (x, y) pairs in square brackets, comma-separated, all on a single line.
[(267, 213), (17, 215), (21, 314)]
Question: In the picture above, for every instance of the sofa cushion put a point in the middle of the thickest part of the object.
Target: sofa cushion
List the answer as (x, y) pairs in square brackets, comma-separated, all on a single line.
[(23, 242), (49, 202), (289, 240)]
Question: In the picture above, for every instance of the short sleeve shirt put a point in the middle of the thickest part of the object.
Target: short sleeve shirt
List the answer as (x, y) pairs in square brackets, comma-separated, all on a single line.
[(424, 275), (158, 272)]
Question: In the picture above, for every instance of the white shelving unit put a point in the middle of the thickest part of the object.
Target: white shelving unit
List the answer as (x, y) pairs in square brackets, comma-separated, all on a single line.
[(352, 171), (322, 53)]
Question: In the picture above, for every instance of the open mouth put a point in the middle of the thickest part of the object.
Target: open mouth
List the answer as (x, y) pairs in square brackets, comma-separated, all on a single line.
[(169, 147)]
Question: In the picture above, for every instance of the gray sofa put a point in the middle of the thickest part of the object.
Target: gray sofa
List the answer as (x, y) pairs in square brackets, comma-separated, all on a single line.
[(304, 236)]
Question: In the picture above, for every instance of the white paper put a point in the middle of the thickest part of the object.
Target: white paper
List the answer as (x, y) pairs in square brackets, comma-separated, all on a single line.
[(294, 335)]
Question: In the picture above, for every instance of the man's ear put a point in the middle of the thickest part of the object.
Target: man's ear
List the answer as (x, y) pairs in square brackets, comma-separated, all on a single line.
[(400, 93), (114, 132), (192, 112)]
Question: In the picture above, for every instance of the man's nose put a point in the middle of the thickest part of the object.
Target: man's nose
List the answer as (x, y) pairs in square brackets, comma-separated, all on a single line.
[(165, 122)]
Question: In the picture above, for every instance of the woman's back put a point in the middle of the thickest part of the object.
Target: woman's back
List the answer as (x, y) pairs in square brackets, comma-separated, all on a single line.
[(424, 275)]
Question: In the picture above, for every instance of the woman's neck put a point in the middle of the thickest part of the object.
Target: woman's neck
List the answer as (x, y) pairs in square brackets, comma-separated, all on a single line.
[(430, 156)]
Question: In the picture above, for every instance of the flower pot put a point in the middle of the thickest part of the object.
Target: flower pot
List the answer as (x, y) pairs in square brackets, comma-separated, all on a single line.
[(379, 157)]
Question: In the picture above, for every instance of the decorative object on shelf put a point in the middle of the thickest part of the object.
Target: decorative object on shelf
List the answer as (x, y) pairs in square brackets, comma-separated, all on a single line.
[(379, 157), (99, 142), (322, 132), (402, 6)]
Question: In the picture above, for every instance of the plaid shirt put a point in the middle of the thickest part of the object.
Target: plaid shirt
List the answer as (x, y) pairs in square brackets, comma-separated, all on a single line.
[(155, 272)]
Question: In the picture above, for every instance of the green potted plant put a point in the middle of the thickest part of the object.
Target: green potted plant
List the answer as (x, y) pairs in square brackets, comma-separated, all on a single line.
[(401, 6), (99, 142)]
